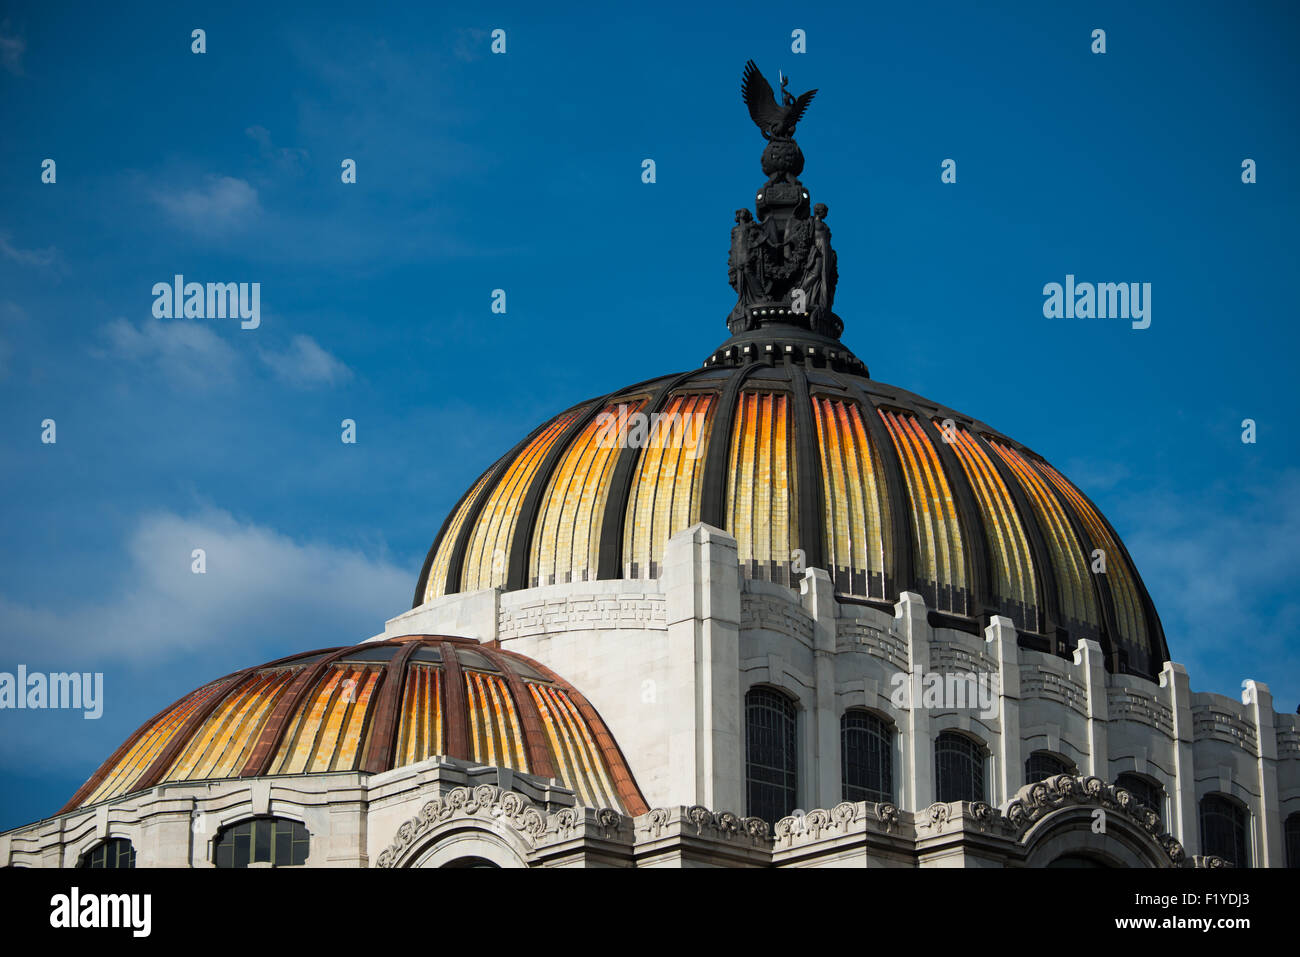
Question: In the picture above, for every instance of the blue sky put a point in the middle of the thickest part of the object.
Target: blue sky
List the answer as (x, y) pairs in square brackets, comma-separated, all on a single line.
[(522, 172)]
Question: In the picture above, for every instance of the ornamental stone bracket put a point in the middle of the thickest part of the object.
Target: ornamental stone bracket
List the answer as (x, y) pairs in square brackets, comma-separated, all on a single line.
[(941, 817), (698, 821)]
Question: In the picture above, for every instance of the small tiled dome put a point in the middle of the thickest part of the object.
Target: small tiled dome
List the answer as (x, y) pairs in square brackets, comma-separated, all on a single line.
[(783, 440), (372, 707)]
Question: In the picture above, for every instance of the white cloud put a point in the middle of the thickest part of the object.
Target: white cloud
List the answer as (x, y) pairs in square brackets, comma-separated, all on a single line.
[(305, 364), (260, 587), (221, 205), (187, 352)]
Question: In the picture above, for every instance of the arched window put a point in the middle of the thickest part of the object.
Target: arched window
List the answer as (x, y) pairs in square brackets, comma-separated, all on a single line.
[(115, 852), (1145, 790), (771, 757), (1293, 840), (1043, 765), (1223, 829), (958, 768), (270, 840), (866, 757), (471, 862)]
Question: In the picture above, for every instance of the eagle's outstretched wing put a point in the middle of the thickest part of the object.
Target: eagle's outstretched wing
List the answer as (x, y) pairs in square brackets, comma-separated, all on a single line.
[(797, 109), (757, 92)]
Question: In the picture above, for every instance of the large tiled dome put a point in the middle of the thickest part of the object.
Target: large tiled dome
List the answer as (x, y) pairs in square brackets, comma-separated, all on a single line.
[(782, 439)]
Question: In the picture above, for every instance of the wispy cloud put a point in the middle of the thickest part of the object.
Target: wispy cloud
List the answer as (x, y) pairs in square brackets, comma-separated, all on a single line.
[(222, 204), (192, 356), (12, 48), (288, 159), (471, 44), (39, 258), (188, 354), (259, 586), (1093, 476), (305, 364), (1221, 565)]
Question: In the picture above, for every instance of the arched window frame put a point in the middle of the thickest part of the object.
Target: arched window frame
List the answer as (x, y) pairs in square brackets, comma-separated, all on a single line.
[(1216, 812), (110, 853), (881, 729), (956, 752), (771, 752), (1041, 765), (297, 845)]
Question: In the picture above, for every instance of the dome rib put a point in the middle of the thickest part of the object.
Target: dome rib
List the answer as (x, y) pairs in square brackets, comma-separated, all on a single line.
[(382, 747), (713, 492), (268, 742), (620, 491), (899, 510), (1044, 569), (192, 723), (521, 544), (1109, 631), (455, 519), (974, 540), (539, 757), (115, 759), (808, 471), (457, 723)]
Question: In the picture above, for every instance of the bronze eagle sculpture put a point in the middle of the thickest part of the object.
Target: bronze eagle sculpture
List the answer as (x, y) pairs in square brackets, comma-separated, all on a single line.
[(774, 120)]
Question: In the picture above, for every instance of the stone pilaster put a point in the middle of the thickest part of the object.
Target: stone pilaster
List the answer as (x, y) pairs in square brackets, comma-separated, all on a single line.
[(918, 775), (1259, 709), (701, 582), (818, 594), (1090, 661), (1001, 635), (1185, 823)]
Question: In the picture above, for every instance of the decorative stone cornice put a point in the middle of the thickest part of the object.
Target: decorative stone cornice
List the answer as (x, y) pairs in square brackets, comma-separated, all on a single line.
[(705, 823), (485, 804), (937, 818), (804, 828)]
